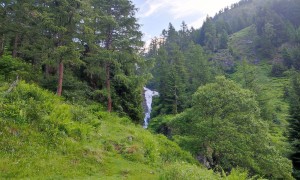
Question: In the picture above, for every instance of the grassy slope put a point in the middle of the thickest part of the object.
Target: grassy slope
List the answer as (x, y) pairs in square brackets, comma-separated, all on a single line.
[(271, 88), (42, 137), (242, 43)]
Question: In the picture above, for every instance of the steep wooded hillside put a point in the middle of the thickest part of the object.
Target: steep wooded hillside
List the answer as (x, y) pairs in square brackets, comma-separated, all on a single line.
[(255, 44)]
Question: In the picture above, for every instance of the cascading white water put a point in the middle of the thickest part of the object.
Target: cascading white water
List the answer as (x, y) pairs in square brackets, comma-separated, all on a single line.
[(149, 94)]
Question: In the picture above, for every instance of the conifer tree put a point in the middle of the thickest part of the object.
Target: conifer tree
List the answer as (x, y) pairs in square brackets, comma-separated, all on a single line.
[(162, 70), (60, 28), (118, 38), (17, 19), (198, 67), (184, 35), (172, 79), (176, 94), (208, 34)]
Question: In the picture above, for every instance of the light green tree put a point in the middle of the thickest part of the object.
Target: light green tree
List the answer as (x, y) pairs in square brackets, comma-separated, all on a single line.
[(225, 127)]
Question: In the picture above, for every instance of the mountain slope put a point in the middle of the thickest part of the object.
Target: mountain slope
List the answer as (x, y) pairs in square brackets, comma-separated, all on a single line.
[(41, 136)]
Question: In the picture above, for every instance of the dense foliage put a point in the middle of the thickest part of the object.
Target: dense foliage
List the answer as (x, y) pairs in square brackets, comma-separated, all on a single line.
[(225, 124), (84, 49), (255, 43), (181, 67)]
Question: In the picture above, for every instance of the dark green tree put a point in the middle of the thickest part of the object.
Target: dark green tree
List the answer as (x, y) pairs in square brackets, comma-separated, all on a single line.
[(210, 40), (184, 36), (17, 20), (171, 36), (198, 67), (208, 34), (176, 82), (62, 29), (114, 50), (223, 40)]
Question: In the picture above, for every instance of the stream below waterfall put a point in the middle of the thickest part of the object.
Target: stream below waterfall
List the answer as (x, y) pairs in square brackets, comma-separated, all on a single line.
[(148, 96)]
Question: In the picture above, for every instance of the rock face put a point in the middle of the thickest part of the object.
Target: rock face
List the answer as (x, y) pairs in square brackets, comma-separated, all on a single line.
[(203, 160), (223, 58), (148, 95)]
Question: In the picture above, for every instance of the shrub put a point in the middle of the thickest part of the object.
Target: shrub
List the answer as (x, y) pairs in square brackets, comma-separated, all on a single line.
[(181, 171), (11, 67)]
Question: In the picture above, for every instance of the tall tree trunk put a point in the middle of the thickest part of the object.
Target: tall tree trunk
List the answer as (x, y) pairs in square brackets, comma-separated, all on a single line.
[(46, 71), (175, 102), (2, 45), (60, 78), (14, 54), (109, 100), (107, 69)]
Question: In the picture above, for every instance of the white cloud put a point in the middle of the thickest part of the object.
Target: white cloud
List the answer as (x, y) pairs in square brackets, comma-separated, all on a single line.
[(156, 14), (184, 8), (149, 8), (148, 39), (197, 23)]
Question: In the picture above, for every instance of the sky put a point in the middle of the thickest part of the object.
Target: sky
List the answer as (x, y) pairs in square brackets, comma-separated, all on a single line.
[(155, 15)]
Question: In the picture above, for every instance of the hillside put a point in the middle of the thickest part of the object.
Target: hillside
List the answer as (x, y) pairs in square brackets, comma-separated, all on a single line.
[(44, 137), (245, 13), (255, 45)]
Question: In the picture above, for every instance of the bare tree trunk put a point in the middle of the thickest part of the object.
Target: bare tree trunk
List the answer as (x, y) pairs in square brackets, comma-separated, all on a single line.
[(60, 78), (14, 54), (46, 71), (109, 100), (107, 69), (176, 102), (2, 45)]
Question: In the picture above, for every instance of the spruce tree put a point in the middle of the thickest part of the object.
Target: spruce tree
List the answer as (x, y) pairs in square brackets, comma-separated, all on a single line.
[(118, 39), (198, 67), (61, 29)]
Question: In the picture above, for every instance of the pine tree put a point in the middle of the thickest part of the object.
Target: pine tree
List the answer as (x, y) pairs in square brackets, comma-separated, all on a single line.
[(171, 37), (198, 67), (208, 34), (223, 42), (161, 75), (17, 18), (184, 35), (173, 76), (60, 27), (246, 75), (118, 38)]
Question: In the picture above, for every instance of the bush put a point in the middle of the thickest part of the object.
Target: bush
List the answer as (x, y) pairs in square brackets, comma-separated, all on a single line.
[(224, 124), (182, 171), (11, 67), (278, 70)]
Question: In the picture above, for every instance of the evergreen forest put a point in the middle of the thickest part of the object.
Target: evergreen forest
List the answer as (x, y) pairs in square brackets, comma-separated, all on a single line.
[(72, 93)]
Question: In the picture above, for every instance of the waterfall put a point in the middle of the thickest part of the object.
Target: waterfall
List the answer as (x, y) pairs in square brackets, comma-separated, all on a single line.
[(148, 95)]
